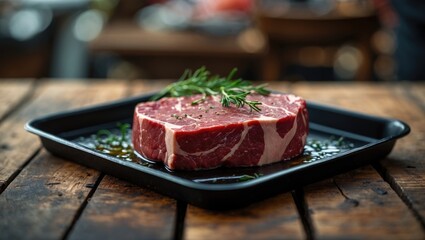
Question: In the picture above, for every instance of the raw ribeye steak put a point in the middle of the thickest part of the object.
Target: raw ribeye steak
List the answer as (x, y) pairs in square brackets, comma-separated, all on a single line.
[(208, 135)]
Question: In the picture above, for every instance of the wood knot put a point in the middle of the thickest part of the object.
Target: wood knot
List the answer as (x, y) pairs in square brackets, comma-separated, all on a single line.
[(349, 203)]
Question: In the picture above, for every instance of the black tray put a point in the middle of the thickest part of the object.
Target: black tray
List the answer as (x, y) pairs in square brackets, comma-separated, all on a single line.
[(372, 138)]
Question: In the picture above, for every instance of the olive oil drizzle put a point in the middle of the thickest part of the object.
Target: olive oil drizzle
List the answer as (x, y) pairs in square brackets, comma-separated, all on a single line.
[(117, 143), (319, 149)]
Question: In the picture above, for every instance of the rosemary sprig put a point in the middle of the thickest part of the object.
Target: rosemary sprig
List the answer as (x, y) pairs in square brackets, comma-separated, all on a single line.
[(232, 91)]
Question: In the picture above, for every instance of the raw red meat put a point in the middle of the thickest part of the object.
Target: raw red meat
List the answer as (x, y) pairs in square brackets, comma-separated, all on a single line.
[(207, 135)]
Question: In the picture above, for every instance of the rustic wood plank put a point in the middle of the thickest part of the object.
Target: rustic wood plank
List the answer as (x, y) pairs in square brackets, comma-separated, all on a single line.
[(347, 95), (404, 168), (12, 93), (404, 165), (119, 209), (418, 92), (18, 145), (274, 218), (140, 87), (44, 198), (360, 205), (44, 192)]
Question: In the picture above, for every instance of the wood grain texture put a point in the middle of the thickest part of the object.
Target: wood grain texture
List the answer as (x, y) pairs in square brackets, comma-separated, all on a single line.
[(141, 87), (18, 145), (120, 210), (274, 218), (417, 91), (404, 167), (44, 198), (13, 92), (348, 95), (360, 205)]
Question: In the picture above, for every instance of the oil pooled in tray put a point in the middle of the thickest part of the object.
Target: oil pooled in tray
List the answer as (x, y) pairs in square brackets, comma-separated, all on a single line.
[(117, 143)]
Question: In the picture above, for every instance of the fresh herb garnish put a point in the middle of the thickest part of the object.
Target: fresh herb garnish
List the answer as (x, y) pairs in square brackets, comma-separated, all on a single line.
[(318, 149), (106, 136), (247, 177), (232, 91), (115, 144)]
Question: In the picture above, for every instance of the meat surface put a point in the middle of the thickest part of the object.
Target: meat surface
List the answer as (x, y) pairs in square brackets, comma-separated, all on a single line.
[(190, 137)]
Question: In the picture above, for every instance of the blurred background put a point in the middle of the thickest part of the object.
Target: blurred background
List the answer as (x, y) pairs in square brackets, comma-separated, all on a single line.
[(290, 40)]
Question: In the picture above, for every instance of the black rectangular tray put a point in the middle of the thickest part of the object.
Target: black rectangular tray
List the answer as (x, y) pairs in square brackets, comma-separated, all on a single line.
[(372, 138)]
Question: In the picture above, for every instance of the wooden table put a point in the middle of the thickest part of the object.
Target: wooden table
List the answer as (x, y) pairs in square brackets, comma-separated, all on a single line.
[(46, 197)]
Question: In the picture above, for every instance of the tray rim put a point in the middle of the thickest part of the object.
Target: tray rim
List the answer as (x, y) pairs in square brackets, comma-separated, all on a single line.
[(30, 127)]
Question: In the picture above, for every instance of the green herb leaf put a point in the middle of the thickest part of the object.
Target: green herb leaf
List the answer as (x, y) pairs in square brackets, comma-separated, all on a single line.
[(247, 177), (232, 91)]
